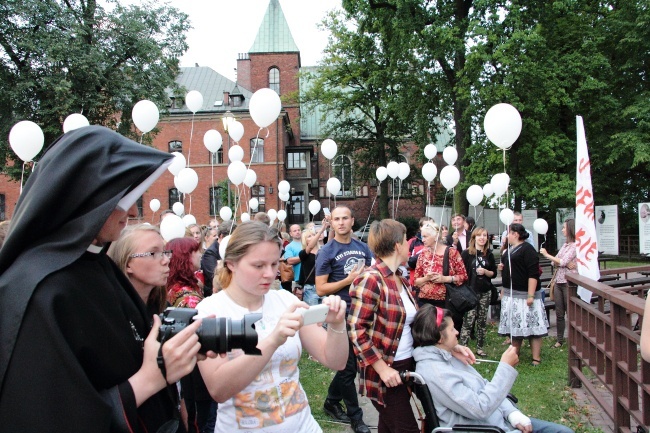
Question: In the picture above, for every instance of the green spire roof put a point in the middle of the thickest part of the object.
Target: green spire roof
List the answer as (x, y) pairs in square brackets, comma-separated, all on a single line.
[(274, 35)]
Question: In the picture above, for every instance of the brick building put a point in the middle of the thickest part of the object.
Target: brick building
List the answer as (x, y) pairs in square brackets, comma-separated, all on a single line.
[(287, 150)]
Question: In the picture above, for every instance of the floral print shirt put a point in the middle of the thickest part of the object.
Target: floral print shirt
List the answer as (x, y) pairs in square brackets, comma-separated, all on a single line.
[(428, 263)]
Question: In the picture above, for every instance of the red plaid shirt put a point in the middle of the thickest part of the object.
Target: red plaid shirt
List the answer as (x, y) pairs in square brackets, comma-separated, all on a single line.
[(376, 320)]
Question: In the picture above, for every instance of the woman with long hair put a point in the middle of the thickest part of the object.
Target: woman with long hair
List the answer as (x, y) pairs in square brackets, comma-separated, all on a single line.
[(522, 307), (196, 233), (264, 391), (140, 253), (311, 240), (565, 261), (429, 267), (481, 268), (183, 284)]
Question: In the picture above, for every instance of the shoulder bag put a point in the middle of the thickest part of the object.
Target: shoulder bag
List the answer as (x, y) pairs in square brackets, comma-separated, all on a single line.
[(460, 299), (551, 285), (286, 272)]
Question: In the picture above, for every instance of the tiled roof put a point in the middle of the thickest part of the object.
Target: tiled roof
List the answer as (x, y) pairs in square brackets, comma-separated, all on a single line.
[(274, 35)]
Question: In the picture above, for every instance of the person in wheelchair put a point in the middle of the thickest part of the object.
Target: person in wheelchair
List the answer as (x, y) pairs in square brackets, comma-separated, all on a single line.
[(460, 394)]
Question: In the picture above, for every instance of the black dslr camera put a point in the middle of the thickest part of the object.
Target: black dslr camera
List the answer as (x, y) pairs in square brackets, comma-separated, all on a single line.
[(220, 334)]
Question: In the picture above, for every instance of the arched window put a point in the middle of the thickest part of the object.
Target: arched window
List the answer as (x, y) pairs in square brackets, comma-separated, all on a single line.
[(274, 79), (174, 196), (257, 151), (343, 172), (216, 199), (175, 146)]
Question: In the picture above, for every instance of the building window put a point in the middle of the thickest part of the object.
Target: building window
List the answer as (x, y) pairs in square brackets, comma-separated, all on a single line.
[(216, 200), (296, 160), (257, 191), (343, 172), (257, 151), (175, 146), (139, 206), (174, 196), (3, 216), (274, 80), (217, 157)]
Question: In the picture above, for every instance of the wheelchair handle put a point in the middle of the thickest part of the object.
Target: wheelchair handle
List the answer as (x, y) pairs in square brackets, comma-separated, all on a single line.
[(408, 376)]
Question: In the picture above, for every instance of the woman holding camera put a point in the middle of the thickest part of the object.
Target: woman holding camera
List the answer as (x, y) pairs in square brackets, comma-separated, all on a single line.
[(263, 393), (481, 268)]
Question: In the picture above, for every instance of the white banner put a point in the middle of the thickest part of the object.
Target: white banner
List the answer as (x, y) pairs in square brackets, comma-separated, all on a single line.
[(644, 228), (607, 229), (586, 239)]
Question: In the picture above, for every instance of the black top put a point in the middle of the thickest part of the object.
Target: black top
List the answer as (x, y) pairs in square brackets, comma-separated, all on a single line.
[(70, 315), (525, 265), (307, 272), (208, 265), (450, 242), (480, 283)]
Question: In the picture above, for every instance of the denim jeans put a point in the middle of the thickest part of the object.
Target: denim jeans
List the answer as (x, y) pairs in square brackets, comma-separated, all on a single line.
[(309, 295)]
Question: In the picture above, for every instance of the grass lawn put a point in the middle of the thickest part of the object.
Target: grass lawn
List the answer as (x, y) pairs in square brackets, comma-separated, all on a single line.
[(542, 390)]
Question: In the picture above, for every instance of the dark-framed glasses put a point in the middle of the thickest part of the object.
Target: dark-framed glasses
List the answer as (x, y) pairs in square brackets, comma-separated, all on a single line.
[(158, 255)]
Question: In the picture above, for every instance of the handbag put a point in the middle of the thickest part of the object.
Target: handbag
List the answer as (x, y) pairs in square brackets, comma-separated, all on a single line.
[(460, 299), (286, 272), (551, 286), (494, 295)]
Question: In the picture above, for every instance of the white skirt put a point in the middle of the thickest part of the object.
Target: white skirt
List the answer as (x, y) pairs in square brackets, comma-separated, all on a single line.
[(519, 320)]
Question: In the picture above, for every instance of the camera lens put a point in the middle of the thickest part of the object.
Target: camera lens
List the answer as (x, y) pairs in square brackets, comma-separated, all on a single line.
[(223, 334)]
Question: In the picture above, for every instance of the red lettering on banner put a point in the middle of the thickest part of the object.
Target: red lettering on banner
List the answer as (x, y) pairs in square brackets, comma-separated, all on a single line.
[(583, 164), (584, 197), (579, 234)]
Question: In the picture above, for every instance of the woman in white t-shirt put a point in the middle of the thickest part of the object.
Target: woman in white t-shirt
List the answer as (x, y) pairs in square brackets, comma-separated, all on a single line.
[(263, 393)]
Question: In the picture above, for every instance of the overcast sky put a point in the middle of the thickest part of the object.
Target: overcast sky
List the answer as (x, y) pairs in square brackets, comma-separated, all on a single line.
[(222, 29)]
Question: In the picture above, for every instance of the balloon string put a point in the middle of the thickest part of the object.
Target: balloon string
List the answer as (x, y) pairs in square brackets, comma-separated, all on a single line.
[(212, 192), (141, 135), (399, 194), (22, 177), (444, 202), (392, 191), (370, 213), (189, 150), (153, 217)]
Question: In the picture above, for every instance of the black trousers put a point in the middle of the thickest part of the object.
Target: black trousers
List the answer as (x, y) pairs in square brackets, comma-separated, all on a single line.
[(343, 387)]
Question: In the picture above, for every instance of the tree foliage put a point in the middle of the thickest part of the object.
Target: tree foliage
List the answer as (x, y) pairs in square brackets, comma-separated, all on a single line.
[(59, 57)]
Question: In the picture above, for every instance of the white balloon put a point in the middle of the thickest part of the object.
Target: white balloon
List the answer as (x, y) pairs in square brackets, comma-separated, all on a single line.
[(178, 163), (172, 227), (223, 244), (430, 151), (212, 140), (404, 170), (488, 190), (186, 180), (284, 196), (500, 183), (194, 100), (381, 174), (74, 121), (284, 186), (245, 217), (272, 213), (26, 139), (429, 171), (188, 220), (282, 214), (393, 169), (236, 172), (507, 216), (178, 208), (474, 195), (225, 213), (502, 125), (253, 203), (333, 185), (450, 155), (314, 207), (145, 115), (236, 153), (449, 176), (264, 107), (328, 148), (154, 205), (540, 226), (236, 130), (250, 178)]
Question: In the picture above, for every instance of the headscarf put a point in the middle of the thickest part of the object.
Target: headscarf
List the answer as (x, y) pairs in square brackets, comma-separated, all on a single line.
[(73, 190)]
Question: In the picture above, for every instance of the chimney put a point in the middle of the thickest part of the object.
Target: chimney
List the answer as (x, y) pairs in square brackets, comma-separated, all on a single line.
[(226, 98)]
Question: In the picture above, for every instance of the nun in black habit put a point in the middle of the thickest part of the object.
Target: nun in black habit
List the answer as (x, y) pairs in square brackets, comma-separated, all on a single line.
[(77, 349)]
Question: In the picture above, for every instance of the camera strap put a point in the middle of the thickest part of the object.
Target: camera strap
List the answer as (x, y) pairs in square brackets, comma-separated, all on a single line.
[(160, 359)]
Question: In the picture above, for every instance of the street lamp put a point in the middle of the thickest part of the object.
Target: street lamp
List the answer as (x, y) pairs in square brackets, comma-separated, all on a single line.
[(227, 120)]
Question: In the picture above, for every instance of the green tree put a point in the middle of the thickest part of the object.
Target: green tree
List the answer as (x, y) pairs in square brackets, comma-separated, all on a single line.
[(59, 57)]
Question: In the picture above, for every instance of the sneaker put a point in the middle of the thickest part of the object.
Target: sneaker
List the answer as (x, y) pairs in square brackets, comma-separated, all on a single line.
[(359, 426), (336, 411)]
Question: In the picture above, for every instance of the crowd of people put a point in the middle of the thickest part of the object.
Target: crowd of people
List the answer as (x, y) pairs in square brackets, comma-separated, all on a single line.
[(86, 319)]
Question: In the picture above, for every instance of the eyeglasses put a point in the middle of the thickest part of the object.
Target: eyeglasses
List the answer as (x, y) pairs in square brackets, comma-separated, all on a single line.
[(155, 254)]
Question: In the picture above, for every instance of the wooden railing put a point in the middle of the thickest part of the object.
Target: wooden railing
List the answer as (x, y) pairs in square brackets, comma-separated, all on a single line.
[(604, 349)]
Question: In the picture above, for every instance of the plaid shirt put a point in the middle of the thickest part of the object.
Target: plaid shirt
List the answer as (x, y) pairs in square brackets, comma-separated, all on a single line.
[(376, 320)]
